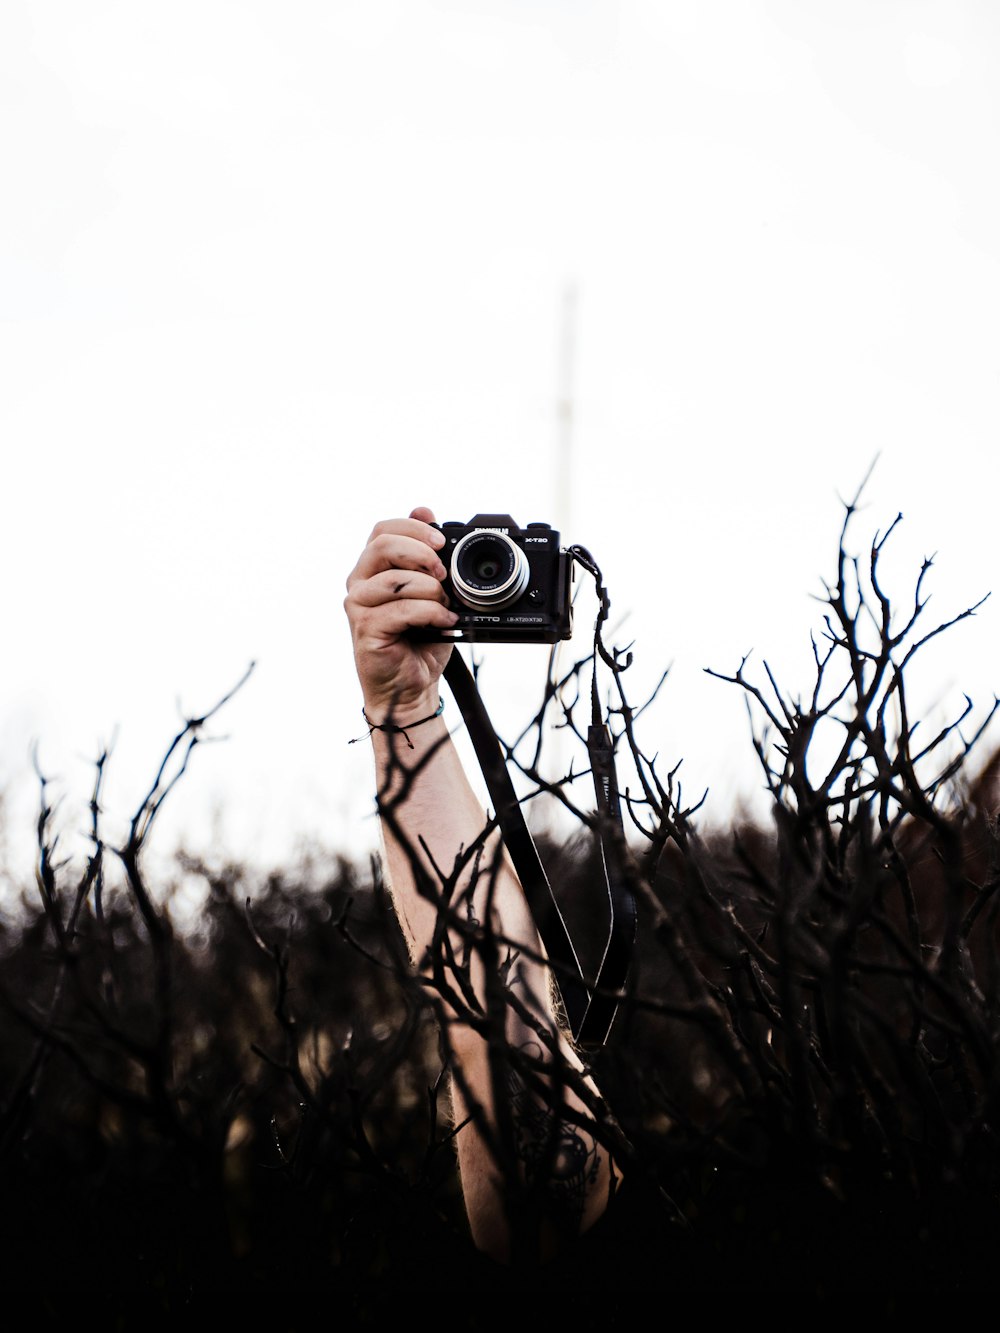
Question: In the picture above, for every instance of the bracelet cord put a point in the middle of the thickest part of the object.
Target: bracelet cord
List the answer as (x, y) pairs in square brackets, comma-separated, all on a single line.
[(394, 729)]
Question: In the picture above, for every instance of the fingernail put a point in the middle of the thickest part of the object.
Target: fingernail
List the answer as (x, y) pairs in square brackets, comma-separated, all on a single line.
[(437, 538)]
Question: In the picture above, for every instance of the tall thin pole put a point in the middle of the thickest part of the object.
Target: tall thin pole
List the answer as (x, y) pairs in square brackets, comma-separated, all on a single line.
[(562, 507), (565, 415)]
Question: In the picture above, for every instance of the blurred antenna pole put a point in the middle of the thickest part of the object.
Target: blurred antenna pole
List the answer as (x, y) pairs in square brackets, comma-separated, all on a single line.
[(550, 810), (565, 414)]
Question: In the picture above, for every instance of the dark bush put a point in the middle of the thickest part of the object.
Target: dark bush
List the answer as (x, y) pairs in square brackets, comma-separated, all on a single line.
[(803, 1075)]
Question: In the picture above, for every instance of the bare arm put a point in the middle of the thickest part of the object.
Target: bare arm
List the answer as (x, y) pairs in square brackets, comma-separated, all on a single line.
[(535, 1109)]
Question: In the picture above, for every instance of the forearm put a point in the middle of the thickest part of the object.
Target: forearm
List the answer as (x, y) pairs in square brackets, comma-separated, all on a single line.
[(441, 862), (526, 1098)]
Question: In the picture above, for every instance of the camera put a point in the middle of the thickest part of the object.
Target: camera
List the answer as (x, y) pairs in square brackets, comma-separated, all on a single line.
[(507, 584)]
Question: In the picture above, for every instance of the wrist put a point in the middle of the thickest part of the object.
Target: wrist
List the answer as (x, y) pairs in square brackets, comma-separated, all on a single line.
[(392, 715), (426, 728), (395, 722)]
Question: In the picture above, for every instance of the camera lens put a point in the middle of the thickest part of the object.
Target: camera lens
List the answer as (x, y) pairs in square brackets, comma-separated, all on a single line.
[(488, 571)]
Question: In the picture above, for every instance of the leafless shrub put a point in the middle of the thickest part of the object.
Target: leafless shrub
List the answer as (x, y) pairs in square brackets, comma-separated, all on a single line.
[(801, 1081)]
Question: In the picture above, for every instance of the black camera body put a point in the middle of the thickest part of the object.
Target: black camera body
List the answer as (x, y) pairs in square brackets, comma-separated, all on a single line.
[(507, 584)]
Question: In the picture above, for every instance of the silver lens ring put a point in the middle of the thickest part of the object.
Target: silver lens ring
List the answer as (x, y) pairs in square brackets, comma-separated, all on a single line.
[(488, 570)]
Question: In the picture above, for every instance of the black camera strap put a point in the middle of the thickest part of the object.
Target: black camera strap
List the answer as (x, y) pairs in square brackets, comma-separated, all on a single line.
[(590, 1005)]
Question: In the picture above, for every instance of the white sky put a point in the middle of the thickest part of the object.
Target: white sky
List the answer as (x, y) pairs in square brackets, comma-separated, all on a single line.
[(271, 272)]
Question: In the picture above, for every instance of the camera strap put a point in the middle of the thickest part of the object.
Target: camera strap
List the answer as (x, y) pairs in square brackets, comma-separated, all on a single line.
[(591, 1005)]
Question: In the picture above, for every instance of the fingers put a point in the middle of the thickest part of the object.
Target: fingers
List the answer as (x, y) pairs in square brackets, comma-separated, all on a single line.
[(396, 585), (417, 525), (401, 544), (387, 604), (391, 620)]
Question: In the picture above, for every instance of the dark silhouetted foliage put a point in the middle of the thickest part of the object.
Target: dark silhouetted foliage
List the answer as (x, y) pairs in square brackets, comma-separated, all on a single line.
[(803, 1076)]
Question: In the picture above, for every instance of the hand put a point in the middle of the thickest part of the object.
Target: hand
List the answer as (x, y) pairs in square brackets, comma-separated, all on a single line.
[(395, 586)]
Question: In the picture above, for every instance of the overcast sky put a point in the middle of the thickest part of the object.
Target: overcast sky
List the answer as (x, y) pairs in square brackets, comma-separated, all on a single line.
[(269, 273)]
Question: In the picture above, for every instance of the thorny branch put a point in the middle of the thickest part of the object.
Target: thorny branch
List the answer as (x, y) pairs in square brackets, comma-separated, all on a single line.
[(822, 992)]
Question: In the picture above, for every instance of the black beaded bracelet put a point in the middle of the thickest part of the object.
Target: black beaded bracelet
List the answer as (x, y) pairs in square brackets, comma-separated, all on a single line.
[(393, 729)]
